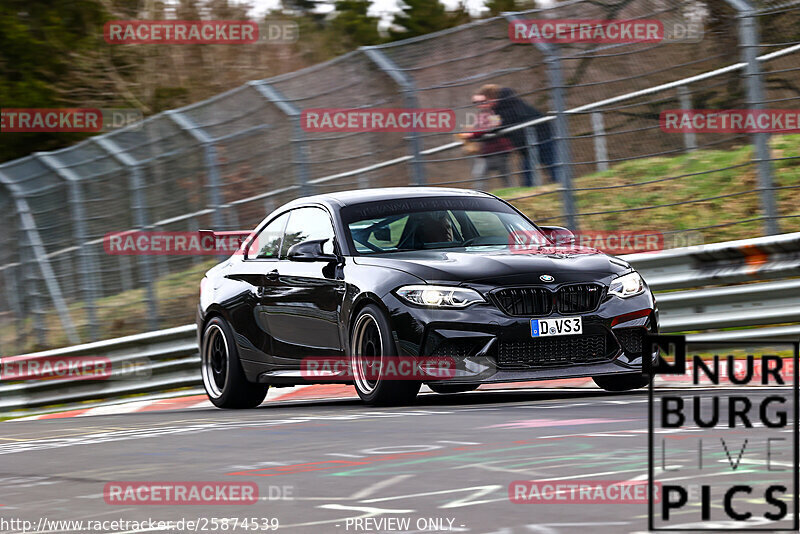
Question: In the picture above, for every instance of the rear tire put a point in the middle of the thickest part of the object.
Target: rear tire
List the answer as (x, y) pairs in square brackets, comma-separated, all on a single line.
[(371, 341), (445, 389), (624, 382), (223, 376)]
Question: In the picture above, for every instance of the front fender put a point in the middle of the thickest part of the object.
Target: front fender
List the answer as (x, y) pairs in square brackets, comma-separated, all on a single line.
[(368, 284)]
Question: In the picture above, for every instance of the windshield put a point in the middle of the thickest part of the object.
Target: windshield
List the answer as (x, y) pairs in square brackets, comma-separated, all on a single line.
[(436, 223)]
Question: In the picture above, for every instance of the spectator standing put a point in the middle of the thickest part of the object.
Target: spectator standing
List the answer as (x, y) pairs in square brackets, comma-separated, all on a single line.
[(513, 110), (493, 151)]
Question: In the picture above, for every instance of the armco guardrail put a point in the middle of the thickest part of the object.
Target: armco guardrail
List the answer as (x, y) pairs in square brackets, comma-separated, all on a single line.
[(169, 356), (171, 360), (759, 299)]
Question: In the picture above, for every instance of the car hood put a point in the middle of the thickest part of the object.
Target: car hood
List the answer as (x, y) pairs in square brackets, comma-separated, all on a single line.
[(502, 267)]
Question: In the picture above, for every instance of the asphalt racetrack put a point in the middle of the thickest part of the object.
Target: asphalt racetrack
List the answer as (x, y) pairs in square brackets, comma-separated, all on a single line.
[(337, 466)]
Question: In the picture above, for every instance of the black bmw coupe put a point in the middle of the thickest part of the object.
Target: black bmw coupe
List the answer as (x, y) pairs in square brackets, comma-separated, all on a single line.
[(360, 286)]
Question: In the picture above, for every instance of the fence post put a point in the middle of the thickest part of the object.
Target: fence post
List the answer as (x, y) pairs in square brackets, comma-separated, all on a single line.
[(126, 280), (600, 148), (162, 269), (194, 227), (12, 242), (15, 305), (685, 99), (139, 208), (66, 266), (563, 163), (37, 254), (76, 202), (533, 154), (749, 41), (406, 84), (302, 173), (212, 163), (25, 305), (31, 285)]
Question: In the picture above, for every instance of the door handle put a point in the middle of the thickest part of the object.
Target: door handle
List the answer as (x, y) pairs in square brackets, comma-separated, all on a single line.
[(272, 275)]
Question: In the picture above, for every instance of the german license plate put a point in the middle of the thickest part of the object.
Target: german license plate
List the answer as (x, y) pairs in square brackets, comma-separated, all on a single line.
[(563, 326)]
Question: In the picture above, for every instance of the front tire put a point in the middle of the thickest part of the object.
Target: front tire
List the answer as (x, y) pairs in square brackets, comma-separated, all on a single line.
[(371, 343), (624, 382), (223, 376)]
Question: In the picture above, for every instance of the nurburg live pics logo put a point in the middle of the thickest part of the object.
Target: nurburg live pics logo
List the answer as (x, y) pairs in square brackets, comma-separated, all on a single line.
[(725, 453)]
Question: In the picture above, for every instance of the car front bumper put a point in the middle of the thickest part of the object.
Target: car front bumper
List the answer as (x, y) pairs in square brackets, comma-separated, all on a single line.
[(489, 346)]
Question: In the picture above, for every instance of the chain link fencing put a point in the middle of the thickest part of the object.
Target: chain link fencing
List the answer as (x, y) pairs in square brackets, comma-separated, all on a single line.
[(227, 162)]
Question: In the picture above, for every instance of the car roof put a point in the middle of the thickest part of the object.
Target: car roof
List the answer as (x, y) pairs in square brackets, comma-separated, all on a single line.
[(357, 196)]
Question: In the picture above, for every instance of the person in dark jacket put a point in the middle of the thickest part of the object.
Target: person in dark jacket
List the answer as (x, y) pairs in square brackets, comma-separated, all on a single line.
[(513, 110), (493, 151)]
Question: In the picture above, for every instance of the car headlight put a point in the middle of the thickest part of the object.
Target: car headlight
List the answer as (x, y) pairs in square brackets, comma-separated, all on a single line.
[(440, 296), (627, 285)]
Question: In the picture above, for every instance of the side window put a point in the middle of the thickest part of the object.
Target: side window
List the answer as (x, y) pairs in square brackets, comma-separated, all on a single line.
[(306, 224), (268, 243)]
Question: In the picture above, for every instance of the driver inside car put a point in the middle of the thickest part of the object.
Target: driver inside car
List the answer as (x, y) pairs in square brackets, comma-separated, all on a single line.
[(437, 229)]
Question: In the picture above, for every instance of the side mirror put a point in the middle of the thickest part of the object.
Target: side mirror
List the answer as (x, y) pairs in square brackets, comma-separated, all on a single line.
[(559, 235), (310, 250)]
